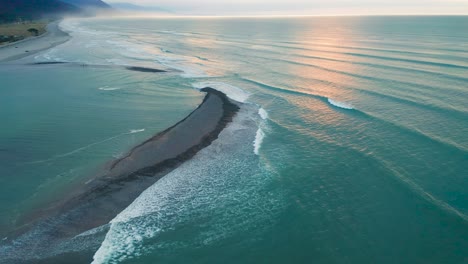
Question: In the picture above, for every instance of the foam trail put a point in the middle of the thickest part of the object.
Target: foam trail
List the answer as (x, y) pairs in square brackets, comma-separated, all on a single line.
[(263, 113), (184, 196), (258, 140), (260, 133), (133, 131), (107, 88), (340, 104), (413, 186), (233, 92)]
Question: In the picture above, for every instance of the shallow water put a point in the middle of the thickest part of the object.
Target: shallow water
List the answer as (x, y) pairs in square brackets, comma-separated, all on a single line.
[(358, 154)]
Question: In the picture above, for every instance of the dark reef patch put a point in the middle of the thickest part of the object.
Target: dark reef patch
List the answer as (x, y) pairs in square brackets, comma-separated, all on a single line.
[(143, 69), (130, 68), (48, 63)]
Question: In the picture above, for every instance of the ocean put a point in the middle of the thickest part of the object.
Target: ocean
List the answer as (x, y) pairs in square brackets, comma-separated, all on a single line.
[(351, 145)]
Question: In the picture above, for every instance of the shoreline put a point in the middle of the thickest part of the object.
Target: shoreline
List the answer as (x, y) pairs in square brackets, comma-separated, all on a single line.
[(53, 36), (94, 203), (120, 182)]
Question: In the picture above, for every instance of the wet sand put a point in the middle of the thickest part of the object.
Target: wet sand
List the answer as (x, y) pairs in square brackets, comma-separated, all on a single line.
[(54, 234), (27, 47), (46, 234)]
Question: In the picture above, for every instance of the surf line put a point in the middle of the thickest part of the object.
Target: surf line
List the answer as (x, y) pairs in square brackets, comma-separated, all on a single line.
[(122, 180)]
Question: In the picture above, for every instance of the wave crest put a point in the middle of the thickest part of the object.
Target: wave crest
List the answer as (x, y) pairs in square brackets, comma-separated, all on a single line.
[(263, 113), (133, 131), (107, 88), (233, 92), (340, 104), (258, 140)]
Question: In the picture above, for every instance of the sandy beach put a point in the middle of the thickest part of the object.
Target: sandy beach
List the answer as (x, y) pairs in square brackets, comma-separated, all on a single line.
[(32, 45)]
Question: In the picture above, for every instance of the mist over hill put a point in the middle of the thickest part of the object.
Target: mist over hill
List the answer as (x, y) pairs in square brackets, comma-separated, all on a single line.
[(19, 10), (129, 7), (87, 3)]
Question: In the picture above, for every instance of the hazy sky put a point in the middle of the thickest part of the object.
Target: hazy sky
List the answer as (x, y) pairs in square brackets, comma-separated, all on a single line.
[(307, 7)]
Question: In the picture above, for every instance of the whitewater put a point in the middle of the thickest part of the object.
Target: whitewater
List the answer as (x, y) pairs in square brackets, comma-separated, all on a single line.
[(350, 138)]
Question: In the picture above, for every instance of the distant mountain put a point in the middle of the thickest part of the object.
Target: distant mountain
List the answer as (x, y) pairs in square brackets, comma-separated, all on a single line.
[(11, 10), (137, 8), (87, 3)]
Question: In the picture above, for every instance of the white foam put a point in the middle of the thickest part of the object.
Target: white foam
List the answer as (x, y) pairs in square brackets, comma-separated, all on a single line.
[(340, 104), (258, 140), (50, 55), (133, 131), (203, 185), (171, 32), (233, 92), (74, 26), (131, 50), (107, 88), (189, 69), (263, 113), (99, 46), (123, 51), (92, 231)]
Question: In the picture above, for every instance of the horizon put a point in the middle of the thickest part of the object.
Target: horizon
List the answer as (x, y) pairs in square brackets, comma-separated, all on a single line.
[(159, 15), (256, 8), (248, 132)]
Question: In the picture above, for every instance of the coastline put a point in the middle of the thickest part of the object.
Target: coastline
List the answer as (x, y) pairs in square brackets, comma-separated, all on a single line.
[(17, 50), (349, 148), (95, 203)]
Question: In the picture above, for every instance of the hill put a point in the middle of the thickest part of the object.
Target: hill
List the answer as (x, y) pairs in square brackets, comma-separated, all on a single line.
[(15, 10), (137, 8), (33, 9), (87, 3)]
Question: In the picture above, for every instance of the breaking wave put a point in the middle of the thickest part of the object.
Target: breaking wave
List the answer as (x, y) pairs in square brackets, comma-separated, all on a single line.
[(340, 104), (263, 113), (200, 195), (107, 88), (233, 92), (258, 140)]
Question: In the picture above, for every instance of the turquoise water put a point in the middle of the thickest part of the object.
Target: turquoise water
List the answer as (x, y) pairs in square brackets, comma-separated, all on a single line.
[(352, 146), (62, 123)]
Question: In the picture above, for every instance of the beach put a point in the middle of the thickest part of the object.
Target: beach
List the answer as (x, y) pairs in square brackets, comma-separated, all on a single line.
[(237, 140), (32, 45), (120, 182)]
